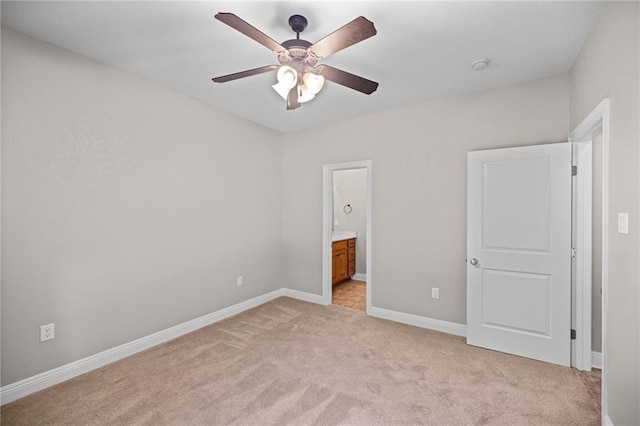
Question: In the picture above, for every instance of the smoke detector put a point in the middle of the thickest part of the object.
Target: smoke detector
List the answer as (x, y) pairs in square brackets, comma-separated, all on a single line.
[(481, 64)]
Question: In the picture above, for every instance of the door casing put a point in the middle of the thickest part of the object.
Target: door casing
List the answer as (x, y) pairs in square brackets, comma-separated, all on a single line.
[(327, 220), (596, 121)]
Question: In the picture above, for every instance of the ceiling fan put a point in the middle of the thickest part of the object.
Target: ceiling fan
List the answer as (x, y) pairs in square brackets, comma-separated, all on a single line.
[(299, 75)]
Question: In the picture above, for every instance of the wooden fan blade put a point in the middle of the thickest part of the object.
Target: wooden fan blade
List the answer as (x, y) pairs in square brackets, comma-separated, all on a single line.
[(346, 79), (354, 32), (246, 73), (250, 31), (292, 99)]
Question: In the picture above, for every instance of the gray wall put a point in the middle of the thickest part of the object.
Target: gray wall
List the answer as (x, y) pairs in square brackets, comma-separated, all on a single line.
[(608, 66), (127, 208), (419, 159), (350, 187)]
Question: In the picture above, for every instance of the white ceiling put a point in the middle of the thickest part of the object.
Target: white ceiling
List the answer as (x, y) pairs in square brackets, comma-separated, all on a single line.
[(423, 50)]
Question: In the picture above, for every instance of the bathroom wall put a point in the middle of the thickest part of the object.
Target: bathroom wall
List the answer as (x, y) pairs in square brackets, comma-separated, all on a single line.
[(350, 187)]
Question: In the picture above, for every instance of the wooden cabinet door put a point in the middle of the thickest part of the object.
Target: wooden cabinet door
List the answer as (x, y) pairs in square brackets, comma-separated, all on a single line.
[(339, 265)]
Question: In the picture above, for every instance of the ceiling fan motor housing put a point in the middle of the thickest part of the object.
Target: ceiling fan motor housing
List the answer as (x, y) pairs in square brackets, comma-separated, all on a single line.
[(297, 51)]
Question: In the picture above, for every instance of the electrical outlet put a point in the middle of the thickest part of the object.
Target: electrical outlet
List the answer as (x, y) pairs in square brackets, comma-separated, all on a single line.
[(435, 293), (336, 222), (239, 280), (623, 223), (47, 332)]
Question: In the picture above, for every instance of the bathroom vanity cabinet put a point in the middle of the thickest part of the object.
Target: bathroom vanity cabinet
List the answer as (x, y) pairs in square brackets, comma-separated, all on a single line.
[(343, 260)]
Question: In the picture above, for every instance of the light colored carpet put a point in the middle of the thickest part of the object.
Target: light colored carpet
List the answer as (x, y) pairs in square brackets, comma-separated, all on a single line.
[(291, 362)]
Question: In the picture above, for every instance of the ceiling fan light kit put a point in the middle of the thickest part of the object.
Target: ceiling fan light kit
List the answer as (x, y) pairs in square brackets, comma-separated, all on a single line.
[(288, 79), (299, 57)]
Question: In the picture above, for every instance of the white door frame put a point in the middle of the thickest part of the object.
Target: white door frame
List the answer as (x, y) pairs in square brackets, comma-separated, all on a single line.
[(597, 120), (327, 220), (581, 238)]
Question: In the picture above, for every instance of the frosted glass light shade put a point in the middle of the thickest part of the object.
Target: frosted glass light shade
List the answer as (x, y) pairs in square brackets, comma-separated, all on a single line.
[(314, 82), (282, 90), (304, 94), (287, 76)]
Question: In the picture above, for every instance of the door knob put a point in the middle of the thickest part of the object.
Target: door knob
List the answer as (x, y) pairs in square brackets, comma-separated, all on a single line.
[(473, 261)]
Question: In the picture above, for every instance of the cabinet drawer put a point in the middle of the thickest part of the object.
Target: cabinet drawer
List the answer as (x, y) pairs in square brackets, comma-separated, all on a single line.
[(351, 254), (339, 245), (352, 268), (351, 242)]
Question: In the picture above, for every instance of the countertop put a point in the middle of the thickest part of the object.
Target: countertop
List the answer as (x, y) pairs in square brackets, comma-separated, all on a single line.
[(342, 235)]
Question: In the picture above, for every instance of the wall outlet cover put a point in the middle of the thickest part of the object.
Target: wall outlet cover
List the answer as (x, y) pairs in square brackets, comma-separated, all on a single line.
[(47, 332)]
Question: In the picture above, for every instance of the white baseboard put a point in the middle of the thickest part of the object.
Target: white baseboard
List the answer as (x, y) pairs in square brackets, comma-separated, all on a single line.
[(302, 295), (360, 277), (419, 321), (41, 381), (57, 375), (596, 360)]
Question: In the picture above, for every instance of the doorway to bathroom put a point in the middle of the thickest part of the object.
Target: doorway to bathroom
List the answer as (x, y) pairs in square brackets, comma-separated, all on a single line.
[(347, 256)]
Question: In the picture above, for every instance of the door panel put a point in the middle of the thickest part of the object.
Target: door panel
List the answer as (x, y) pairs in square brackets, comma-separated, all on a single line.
[(519, 237), (510, 301), (526, 184)]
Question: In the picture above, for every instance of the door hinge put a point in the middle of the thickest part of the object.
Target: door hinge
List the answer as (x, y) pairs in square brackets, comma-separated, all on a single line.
[(574, 170), (573, 252), (573, 335)]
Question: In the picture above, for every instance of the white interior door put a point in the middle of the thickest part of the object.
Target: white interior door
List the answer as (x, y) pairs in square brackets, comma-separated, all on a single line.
[(519, 251)]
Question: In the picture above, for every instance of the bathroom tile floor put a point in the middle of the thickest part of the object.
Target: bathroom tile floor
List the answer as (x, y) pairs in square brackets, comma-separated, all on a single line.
[(351, 294)]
